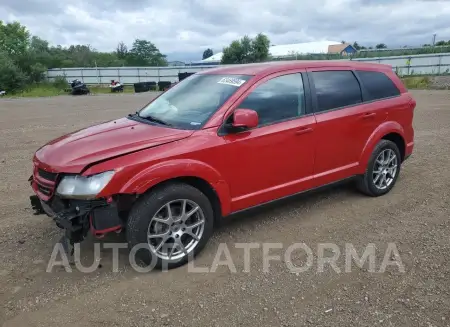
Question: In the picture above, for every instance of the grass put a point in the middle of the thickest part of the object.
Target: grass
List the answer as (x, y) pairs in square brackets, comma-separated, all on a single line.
[(416, 82), (50, 90)]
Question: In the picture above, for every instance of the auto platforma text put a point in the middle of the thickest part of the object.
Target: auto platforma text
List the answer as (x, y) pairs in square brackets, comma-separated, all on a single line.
[(255, 256)]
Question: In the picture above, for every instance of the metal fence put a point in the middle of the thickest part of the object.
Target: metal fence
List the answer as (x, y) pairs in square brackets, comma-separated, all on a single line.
[(126, 75), (427, 64)]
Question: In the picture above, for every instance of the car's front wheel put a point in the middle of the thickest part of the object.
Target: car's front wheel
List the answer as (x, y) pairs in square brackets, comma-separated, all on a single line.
[(382, 170), (170, 225)]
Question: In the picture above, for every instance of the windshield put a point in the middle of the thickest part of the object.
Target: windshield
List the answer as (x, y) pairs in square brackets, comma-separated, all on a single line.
[(189, 104)]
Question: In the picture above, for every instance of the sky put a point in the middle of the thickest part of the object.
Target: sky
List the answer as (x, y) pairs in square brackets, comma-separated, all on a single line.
[(183, 29)]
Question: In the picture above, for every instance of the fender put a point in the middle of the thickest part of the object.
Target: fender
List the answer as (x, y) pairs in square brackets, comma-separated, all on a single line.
[(177, 168), (382, 130)]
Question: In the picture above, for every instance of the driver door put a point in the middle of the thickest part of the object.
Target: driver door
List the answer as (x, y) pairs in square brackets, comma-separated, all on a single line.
[(276, 158)]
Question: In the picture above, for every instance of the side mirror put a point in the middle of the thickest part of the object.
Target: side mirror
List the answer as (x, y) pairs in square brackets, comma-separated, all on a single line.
[(245, 118)]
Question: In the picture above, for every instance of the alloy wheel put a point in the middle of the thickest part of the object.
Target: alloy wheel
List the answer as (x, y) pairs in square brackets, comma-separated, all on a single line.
[(176, 229), (385, 169)]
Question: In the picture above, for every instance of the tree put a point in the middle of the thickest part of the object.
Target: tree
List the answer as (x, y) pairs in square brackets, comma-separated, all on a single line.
[(11, 76), (247, 50), (356, 46), (207, 53), (121, 50), (381, 46), (260, 48), (14, 39), (442, 43), (145, 53)]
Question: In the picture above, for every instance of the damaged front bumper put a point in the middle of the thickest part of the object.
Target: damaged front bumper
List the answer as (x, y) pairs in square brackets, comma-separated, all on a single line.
[(78, 217)]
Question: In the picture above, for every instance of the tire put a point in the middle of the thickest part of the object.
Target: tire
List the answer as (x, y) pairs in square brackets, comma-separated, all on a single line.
[(142, 221), (366, 183)]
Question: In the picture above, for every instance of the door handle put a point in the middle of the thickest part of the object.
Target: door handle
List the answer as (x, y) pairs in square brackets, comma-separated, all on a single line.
[(303, 131), (369, 115)]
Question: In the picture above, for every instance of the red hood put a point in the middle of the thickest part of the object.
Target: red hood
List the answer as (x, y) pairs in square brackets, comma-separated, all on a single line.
[(72, 152)]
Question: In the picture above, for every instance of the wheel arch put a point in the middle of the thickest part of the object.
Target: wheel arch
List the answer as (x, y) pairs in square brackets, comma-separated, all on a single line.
[(195, 173), (399, 142), (391, 131), (202, 185)]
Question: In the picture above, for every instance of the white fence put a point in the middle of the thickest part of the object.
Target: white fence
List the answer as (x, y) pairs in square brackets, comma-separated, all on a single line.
[(427, 64)]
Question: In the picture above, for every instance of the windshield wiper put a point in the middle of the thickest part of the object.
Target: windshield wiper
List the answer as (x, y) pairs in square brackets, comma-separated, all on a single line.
[(150, 118), (154, 120)]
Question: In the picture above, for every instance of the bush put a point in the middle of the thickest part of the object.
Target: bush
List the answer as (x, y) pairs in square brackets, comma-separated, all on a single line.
[(60, 82), (37, 72), (12, 78)]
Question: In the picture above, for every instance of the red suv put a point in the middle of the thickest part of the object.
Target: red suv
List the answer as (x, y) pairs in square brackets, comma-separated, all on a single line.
[(221, 141)]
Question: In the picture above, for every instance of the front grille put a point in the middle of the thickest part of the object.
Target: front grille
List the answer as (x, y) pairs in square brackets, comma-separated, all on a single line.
[(44, 190), (47, 175), (44, 183)]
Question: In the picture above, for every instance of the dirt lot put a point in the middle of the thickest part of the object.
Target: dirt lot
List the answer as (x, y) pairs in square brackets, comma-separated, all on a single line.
[(415, 216)]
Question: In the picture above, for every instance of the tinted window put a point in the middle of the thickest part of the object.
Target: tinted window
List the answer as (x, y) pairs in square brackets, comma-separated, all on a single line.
[(378, 85), (336, 89), (278, 99)]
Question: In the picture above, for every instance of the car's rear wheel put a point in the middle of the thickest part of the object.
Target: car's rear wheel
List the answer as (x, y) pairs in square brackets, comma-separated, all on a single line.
[(170, 225), (382, 170)]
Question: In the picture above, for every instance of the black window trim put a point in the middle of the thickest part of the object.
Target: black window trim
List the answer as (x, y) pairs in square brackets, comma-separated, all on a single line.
[(308, 104), (364, 92)]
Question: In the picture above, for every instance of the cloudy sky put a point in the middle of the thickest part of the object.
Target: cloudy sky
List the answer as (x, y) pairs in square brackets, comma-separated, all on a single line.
[(184, 28)]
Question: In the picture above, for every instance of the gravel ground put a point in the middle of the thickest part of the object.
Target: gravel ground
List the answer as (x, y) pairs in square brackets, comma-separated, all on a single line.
[(414, 216)]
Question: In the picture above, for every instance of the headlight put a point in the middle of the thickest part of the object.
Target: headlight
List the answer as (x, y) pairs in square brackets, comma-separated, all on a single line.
[(83, 187)]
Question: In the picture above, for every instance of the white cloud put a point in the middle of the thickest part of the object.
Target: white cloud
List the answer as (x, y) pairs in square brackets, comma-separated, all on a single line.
[(190, 26)]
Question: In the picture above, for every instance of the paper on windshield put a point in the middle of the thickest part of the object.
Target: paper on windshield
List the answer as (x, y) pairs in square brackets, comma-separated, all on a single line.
[(231, 81)]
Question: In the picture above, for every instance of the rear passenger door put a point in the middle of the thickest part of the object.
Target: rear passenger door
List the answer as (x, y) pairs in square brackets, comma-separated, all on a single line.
[(344, 122)]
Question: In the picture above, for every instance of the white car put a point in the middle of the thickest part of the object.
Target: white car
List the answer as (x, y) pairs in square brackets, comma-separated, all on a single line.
[(2, 93)]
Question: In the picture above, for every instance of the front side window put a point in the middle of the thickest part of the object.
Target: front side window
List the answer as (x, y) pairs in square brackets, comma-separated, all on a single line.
[(336, 89), (278, 99), (190, 103)]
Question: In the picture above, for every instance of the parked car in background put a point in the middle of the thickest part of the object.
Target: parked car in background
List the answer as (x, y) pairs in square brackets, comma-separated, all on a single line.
[(222, 141)]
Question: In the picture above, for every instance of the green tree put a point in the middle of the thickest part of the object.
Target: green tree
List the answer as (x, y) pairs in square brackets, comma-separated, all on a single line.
[(14, 39), (12, 78), (247, 50), (207, 53), (145, 53), (442, 43), (121, 50), (381, 46), (260, 48)]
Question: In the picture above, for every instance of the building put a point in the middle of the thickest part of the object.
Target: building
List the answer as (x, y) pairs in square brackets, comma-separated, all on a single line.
[(290, 50), (344, 49)]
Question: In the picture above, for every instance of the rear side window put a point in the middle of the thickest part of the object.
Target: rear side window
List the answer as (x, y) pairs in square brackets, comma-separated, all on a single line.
[(378, 85), (335, 89)]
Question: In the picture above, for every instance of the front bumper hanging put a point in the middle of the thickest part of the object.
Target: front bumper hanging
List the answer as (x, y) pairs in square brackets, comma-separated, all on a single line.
[(78, 217)]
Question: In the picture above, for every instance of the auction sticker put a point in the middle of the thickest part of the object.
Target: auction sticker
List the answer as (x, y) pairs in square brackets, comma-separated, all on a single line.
[(231, 81)]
